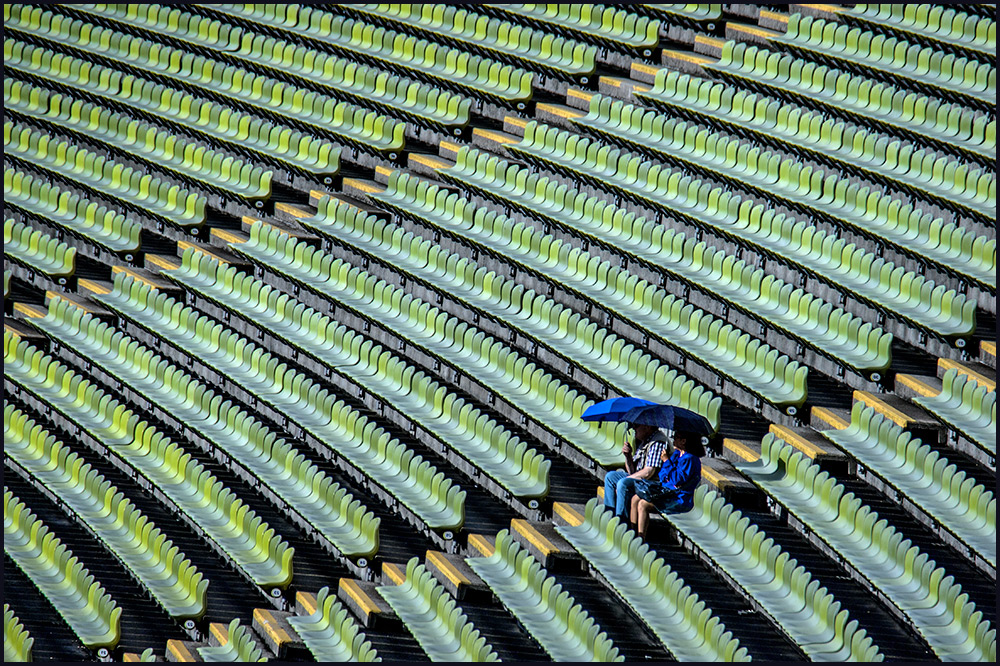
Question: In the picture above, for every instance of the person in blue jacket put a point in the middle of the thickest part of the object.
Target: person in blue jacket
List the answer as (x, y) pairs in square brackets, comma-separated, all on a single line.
[(673, 489)]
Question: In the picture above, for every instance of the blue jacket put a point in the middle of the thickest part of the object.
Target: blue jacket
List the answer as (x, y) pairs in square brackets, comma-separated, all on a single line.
[(683, 472)]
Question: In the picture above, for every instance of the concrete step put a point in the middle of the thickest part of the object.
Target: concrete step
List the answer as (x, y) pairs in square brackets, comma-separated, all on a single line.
[(454, 574), (363, 599), (542, 541), (279, 636)]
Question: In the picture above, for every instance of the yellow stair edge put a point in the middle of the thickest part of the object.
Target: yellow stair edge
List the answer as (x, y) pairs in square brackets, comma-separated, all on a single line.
[(740, 449), (447, 568), (481, 544), (899, 417), (31, 311), (568, 513), (227, 236), (533, 536), (306, 601), (219, 631), (828, 417), (797, 440), (162, 261), (430, 161), (180, 651), (291, 209), (945, 364), (354, 591), (394, 573), (916, 384), (272, 627), (93, 286)]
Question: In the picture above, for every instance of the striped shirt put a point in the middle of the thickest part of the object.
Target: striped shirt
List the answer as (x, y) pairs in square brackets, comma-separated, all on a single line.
[(649, 453)]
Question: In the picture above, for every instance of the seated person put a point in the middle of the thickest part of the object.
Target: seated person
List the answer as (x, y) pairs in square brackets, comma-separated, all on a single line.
[(651, 444), (673, 490)]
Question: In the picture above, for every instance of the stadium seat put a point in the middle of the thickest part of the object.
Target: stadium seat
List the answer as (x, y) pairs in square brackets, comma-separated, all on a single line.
[(967, 407), (435, 620), (79, 599), (37, 249), (945, 26), (331, 634), (17, 643), (240, 646), (614, 26)]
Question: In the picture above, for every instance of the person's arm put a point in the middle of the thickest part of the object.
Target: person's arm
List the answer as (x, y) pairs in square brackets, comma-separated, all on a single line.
[(645, 473), (629, 461), (683, 473)]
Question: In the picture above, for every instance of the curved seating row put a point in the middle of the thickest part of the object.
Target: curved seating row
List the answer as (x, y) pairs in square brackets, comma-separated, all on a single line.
[(435, 620), (943, 25), (37, 249), (465, 428), (610, 25), (100, 174), (679, 12), (329, 509), (802, 315), (950, 125), (965, 508), (239, 646), (254, 546), (939, 177), (166, 572), (281, 144), (933, 602), (17, 643), (331, 634), (967, 407), (366, 85), (560, 625), (77, 214), (206, 167), (815, 192), (78, 598), (682, 621), (385, 461)]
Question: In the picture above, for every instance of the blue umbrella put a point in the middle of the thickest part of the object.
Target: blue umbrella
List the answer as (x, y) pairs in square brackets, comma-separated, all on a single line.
[(669, 417), (612, 409)]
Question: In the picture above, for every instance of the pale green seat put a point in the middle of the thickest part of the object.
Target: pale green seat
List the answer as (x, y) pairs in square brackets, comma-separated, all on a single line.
[(430, 613), (612, 25), (166, 572), (966, 407), (38, 250), (16, 641), (239, 647), (564, 630), (944, 25), (78, 598), (331, 634)]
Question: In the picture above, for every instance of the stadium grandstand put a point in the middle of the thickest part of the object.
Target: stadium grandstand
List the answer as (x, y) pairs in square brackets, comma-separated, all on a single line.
[(303, 305)]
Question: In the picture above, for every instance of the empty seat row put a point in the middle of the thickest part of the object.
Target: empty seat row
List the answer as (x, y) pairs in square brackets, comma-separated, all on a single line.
[(78, 598), (942, 178), (239, 646), (329, 509), (796, 601), (281, 144), (553, 618), (213, 169), (331, 634), (910, 63), (931, 600), (162, 569), (254, 546), (366, 130), (821, 194), (831, 331), (614, 26), (950, 125), (77, 214), (965, 508), (584, 342), (666, 604), (946, 26), (100, 174), (448, 67), (533, 48), (435, 620), (967, 407), (385, 461), (37, 249), (366, 85), (17, 643), (733, 353)]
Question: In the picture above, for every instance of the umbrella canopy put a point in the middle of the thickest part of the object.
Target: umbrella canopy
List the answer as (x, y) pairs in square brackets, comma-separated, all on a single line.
[(669, 417), (613, 409)]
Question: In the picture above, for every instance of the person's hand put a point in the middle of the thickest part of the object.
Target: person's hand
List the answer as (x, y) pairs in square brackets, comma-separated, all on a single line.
[(626, 449), (664, 456)]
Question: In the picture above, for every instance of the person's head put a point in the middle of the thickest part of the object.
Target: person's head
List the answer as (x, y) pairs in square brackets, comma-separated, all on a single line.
[(643, 432), (689, 442)]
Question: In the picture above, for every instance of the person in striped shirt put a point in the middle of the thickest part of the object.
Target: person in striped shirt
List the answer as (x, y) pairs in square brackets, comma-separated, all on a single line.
[(619, 485)]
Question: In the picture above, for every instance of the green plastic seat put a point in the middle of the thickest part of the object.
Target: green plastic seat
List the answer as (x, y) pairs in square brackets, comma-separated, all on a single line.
[(331, 634), (38, 250), (17, 643), (966, 407), (610, 25), (240, 646)]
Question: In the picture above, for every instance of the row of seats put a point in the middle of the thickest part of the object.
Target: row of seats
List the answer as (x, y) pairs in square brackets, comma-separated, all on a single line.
[(17, 643), (468, 430), (105, 176), (329, 508), (903, 164), (821, 194), (162, 569), (247, 540), (584, 342), (666, 604), (322, 114), (964, 507), (787, 592), (385, 461), (37, 249), (610, 25), (368, 86), (833, 331), (199, 163), (280, 144), (934, 604), (448, 67), (239, 646), (911, 64), (331, 634), (944, 25), (435, 620), (733, 353), (560, 625), (967, 407), (77, 214), (950, 125), (79, 599)]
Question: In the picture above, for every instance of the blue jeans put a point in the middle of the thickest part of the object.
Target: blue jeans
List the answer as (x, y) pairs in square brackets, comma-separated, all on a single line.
[(618, 491)]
